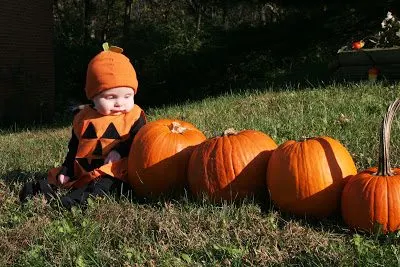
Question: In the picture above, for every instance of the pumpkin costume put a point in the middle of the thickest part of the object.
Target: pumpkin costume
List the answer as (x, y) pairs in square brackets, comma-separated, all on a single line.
[(95, 135)]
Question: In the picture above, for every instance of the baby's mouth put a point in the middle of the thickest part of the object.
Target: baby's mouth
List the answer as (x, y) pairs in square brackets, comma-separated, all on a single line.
[(118, 111)]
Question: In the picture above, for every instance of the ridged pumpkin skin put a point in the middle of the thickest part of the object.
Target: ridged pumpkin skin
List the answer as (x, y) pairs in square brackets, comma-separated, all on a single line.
[(159, 155), (230, 167), (307, 177), (369, 200)]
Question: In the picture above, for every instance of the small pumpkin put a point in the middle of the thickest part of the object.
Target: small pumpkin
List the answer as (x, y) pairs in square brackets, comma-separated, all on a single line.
[(373, 74), (358, 45), (371, 199), (159, 155), (230, 167), (307, 177)]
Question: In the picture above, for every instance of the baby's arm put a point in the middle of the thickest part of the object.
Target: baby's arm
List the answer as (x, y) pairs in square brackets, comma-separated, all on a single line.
[(67, 170)]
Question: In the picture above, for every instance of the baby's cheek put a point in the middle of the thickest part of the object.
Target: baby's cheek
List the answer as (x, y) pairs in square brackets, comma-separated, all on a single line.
[(130, 104)]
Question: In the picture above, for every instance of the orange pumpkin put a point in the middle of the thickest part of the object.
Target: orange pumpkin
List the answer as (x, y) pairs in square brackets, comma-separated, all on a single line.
[(230, 167), (371, 199), (307, 177), (159, 155)]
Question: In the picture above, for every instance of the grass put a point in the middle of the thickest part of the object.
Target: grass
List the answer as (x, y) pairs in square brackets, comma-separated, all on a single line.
[(184, 232)]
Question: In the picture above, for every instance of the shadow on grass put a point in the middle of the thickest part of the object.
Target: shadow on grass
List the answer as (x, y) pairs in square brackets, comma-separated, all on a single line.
[(279, 82), (304, 76), (15, 178), (185, 197), (312, 258), (60, 119), (333, 224)]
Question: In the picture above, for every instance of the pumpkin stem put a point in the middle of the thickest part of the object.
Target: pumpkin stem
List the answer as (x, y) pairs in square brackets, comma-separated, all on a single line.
[(305, 138), (176, 127), (384, 168), (229, 131)]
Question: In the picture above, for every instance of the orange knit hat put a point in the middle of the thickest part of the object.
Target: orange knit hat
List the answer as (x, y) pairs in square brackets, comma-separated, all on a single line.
[(109, 69)]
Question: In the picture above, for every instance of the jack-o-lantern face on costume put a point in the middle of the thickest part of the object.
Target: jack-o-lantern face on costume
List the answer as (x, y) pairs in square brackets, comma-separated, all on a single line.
[(115, 101), (99, 134)]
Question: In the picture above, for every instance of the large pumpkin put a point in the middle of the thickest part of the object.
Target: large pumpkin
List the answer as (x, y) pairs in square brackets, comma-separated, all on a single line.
[(371, 199), (230, 167), (307, 177), (159, 155)]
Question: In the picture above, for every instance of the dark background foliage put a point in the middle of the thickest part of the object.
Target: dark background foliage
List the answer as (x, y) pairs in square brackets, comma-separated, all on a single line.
[(190, 49)]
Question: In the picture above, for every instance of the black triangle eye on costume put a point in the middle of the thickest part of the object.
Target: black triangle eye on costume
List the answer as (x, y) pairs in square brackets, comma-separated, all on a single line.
[(90, 132), (111, 132), (98, 151), (89, 166), (84, 163)]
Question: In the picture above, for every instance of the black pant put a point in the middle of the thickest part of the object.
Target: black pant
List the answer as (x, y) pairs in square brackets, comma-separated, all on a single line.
[(77, 196)]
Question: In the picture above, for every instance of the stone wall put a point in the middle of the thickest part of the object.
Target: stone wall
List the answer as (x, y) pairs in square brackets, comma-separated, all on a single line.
[(26, 61)]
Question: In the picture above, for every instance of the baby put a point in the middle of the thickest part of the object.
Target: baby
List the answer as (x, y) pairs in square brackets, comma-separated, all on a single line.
[(102, 134)]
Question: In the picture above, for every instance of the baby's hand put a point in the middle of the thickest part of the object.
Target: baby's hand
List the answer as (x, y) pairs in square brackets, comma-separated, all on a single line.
[(112, 157), (63, 178)]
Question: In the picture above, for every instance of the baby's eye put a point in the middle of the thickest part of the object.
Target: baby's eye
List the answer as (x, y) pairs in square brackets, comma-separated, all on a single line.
[(109, 97), (128, 96)]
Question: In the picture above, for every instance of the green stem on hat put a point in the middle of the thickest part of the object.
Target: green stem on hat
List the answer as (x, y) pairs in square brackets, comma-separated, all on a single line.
[(105, 46), (112, 48)]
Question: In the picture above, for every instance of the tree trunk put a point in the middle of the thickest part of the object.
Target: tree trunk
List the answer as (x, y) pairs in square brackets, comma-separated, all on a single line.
[(127, 20), (104, 29), (86, 21), (263, 11), (198, 18), (225, 11)]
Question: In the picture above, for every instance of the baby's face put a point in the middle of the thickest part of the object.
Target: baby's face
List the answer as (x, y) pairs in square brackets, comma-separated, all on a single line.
[(114, 101)]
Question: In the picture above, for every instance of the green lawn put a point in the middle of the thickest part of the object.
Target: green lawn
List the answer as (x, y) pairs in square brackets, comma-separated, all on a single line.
[(185, 232)]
